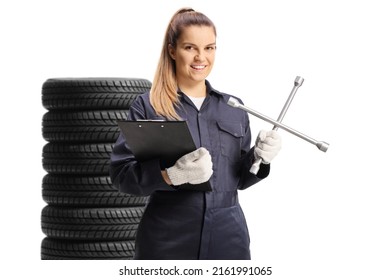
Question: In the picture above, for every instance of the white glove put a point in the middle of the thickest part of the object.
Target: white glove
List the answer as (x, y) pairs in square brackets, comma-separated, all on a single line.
[(194, 168), (267, 145)]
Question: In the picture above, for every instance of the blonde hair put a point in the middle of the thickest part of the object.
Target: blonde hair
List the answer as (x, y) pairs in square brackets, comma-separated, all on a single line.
[(163, 94)]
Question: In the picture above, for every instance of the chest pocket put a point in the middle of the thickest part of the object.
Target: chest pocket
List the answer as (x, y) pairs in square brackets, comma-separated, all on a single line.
[(230, 136)]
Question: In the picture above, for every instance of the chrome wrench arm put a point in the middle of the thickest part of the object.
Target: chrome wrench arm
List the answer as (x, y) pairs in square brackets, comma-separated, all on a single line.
[(321, 145)]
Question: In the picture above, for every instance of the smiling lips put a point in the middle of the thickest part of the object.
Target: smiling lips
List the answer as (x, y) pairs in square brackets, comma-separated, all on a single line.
[(198, 67)]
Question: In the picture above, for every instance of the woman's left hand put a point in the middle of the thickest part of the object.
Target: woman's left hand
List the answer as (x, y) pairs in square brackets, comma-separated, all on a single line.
[(267, 145)]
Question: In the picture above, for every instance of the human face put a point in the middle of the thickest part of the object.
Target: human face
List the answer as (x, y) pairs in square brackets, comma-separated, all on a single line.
[(194, 54)]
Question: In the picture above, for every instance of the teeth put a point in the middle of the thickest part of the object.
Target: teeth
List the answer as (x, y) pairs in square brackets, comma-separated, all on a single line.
[(198, 67)]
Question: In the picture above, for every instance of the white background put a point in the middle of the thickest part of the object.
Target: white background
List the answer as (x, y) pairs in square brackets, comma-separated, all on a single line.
[(317, 216)]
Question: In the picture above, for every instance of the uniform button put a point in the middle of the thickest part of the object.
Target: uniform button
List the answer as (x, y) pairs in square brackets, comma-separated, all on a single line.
[(199, 114), (235, 134)]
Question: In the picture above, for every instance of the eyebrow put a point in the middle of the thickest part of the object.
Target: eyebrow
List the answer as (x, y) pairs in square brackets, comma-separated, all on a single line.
[(187, 43)]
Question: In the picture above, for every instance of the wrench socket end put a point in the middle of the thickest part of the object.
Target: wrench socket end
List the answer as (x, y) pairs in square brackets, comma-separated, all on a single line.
[(298, 81), (233, 102), (322, 146)]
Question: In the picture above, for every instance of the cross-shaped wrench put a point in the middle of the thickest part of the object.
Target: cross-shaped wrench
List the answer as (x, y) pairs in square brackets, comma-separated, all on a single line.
[(323, 146)]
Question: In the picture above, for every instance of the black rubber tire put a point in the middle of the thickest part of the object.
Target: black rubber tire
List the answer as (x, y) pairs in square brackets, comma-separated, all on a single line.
[(53, 182), (90, 101), (56, 249), (77, 158), (76, 166), (91, 223), (82, 191), (82, 134), (92, 93), (92, 216), (83, 118), (89, 150), (92, 199), (90, 232)]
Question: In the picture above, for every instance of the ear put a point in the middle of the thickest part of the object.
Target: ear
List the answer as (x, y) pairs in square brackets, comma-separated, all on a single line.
[(172, 51)]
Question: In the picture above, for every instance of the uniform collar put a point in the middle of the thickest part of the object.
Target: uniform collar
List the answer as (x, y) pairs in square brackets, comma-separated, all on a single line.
[(209, 90)]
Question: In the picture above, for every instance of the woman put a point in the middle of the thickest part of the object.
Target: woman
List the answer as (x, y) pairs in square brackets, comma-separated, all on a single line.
[(183, 224)]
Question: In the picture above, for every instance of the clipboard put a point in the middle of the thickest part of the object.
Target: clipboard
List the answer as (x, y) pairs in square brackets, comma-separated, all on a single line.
[(165, 140)]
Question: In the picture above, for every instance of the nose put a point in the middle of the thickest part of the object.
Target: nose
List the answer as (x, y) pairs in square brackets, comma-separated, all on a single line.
[(199, 56)]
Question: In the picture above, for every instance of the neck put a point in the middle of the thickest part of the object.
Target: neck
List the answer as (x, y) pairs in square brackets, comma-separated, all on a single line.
[(194, 90)]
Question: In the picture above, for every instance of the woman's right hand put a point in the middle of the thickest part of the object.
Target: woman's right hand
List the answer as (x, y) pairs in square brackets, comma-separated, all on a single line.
[(193, 168)]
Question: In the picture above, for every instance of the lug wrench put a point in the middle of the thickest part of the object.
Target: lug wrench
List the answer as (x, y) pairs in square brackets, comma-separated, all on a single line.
[(321, 145), (297, 83)]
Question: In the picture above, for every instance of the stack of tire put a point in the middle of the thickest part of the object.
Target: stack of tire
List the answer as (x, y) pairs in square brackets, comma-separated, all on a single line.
[(85, 216)]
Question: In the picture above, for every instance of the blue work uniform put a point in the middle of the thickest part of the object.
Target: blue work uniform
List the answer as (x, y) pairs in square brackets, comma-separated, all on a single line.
[(183, 224)]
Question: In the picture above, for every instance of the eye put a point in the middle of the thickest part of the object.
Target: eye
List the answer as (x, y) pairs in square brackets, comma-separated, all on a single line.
[(211, 48), (188, 48)]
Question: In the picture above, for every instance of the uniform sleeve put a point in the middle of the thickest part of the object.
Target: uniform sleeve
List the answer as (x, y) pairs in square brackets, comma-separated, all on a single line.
[(127, 174), (248, 179)]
